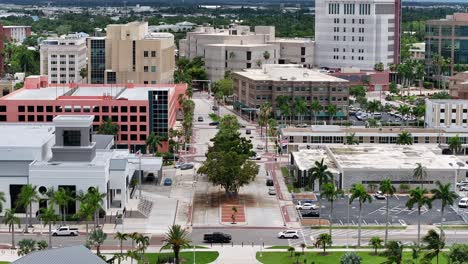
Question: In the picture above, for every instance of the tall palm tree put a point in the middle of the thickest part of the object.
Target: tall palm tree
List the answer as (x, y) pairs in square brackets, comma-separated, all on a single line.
[(26, 197), (11, 220), (351, 139), (404, 138), (455, 144), (97, 238), (143, 243), (176, 237), (447, 197), (419, 197), (282, 103), (331, 111), (373, 106), (404, 110), (434, 243), (331, 193), (61, 198), (321, 173), (358, 192), (153, 142), (85, 213), (394, 252), (48, 217), (264, 115), (300, 108), (95, 199), (121, 237), (387, 188), (315, 108), (420, 174)]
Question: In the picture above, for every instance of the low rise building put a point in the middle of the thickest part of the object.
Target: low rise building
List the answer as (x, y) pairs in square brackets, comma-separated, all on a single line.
[(446, 113), (177, 27), (17, 33), (137, 109), (418, 51), (458, 85), (370, 164), (253, 87), (372, 80)]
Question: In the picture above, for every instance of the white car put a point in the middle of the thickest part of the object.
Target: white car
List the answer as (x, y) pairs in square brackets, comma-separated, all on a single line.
[(463, 203), (306, 206), (260, 146), (256, 157), (379, 195), (271, 191), (461, 184), (288, 234), (65, 231), (464, 188)]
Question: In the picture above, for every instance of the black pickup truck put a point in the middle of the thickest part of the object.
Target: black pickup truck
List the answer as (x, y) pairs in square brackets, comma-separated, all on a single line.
[(217, 237)]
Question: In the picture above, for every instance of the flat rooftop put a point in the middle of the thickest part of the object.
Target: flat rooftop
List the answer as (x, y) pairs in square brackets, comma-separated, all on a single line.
[(287, 72), (393, 157), (49, 93), (21, 135), (305, 159), (293, 40), (448, 101)]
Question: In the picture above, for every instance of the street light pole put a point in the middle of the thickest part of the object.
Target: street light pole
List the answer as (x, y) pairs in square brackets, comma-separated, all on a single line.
[(347, 242)]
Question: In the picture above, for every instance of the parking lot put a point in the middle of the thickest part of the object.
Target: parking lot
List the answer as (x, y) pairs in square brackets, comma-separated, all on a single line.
[(386, 118)]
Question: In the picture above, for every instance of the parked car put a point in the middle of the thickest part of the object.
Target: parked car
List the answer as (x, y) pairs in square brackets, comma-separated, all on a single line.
[(178, 164), (269, 182), (200, 119), (65, 231), (311, 213), (248, 131), (217, 237), (167, 182), (271, 191), (288, 234), (464, 188), (462, 183), (215, 123), (256, 157), (260, 146), (304, 201), (302, 125), (186, 166), (214, 108), (379, 195), (306, 206), (463, 203)]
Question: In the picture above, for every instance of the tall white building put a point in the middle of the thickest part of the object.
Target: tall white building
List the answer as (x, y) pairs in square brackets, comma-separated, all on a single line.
[(359, 33), (63, 58), (446, 113)]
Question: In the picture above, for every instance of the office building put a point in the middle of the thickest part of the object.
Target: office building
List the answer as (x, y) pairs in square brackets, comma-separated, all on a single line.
[(137, 109), (418, 51), (446, 113), (370, 164), (17, 33), (448, 38), (237, 47), (2, 54), (253, 87), (131, 54), (61, 59), (458, 85), (357, 34)]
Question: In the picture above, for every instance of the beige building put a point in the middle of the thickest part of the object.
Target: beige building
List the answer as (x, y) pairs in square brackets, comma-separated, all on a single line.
[(237, 48), (61, 59), (418, 51), (458, 85), (446, 113), (132, 55)]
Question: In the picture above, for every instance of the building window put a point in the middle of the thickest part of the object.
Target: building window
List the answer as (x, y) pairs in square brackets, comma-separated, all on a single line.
[(454, 121), (123, 118), (145, 54), (72, 138), (105, 109), (142, 118), (30, 118), (372, 140), (153, 68), (145, 68), (249, 65), (142, 128), (454, 110), (123, 128), (133, 137), (133, 128), (123, 109), (426, 140), (21, 108), (441, 121), (142, 109), (153, 53), (124, 137), (142, 137), (442, 110), (133, 109), (415, 140), (21, 118)]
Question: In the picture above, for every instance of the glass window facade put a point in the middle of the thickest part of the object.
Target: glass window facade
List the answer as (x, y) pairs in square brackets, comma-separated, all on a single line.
[(159, 114), (98, 60)]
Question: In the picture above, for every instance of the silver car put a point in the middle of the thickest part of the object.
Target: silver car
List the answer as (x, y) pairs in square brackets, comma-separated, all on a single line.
[(271, 191)]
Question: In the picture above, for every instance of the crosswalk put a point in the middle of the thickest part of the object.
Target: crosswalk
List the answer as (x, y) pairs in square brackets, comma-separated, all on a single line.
[(339, 236)]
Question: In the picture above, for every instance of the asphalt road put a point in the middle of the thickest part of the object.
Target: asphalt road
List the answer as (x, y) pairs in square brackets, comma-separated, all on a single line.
[(245, 236)]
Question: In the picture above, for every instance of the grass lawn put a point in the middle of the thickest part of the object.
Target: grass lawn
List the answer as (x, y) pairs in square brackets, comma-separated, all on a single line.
[(332, 257), (289, 180), (187, 257), (4, 262)]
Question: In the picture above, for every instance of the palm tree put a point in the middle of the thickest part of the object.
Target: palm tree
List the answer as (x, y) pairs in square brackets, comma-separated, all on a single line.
[(373, 106), (447, 197), (376, 243), (387, 188), (321, 173), (265, 112), (315, 107), (300, 107), (404, 110), (331, 193), (85, 213), (95, 199), (48, 217), (134, 237), (61, 198), (420, 174), (420, 72), (358, 191), (11, 219), (26, 197), (435, 243), (2, 200), (324, 240), (97, 238), (455, 144), (176, 237), (331, 111), (266, 55), (404, 138), (121, 237), (153, 142), (419, 197), (282, 103), (351, 139), (143, 243), (394, 252)]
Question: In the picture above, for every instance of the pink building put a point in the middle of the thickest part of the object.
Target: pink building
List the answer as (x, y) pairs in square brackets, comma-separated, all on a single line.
[(17, 33), (373, 80), (138, 109)]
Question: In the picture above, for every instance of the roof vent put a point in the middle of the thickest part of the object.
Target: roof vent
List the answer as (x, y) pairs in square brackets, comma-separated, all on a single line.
[(283, 78)]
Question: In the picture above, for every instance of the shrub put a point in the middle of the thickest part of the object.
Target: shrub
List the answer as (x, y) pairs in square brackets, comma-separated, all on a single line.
[(350, 258), (427, 85)]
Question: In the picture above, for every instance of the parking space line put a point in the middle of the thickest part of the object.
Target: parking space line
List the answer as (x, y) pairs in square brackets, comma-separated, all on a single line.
[(353, 222), (341, 222), (396, 196), (376, 222), (364, 221)]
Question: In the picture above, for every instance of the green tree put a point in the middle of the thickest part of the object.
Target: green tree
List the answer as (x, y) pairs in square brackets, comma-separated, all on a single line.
[(374, 106), (357, 91), (153, 142), (291, 251), (85, 213), (121, 237), (350, 258), (394, 252), (331, 193), (282, 103), (108, 127), (420, 174), (324, 240), (61, 198), (83, 74), (404, 138), (26, 197), (419, 111), (95, 199), (419, 197), (331, 111), (223, 87), (315, 108), (458, 253), (142, 243), (379, 67), (42, 244), (26, 246), (11, 219), (321, 173), (351, 139), (455, 144), (434, 244), (97, 238), (393, 88), (404, 110), (176, 238), (266, 55), (300, 108), (359, 193), (376, 243), (48, 217), (264, 115), (387, 188), (447, 197)]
